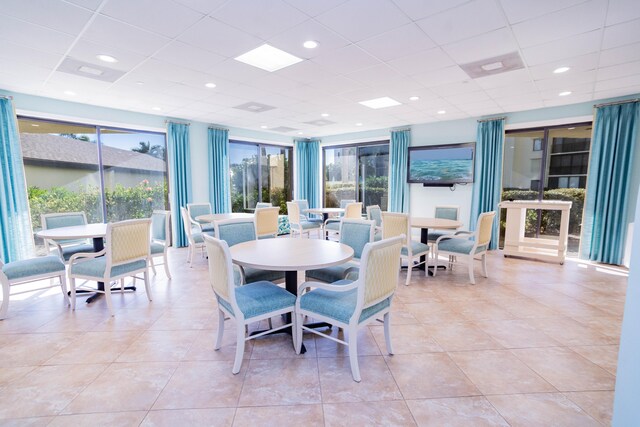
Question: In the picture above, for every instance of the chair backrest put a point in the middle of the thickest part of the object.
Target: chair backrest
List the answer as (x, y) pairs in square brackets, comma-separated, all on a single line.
[(160, 223), (356, 233), (379, 271), (374, 213), (261, 205), (303, 205), (63, 219), (447, 212), (234, 231), (197, 209), (186, 223), (293, 212), (484, 227), (395, 224), (220, 269), (266, 220), (127, 241), (345, 202), (353, 210)]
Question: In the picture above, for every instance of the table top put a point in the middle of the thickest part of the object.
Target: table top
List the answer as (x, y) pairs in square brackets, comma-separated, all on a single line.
[(290, 254), (324, 210), (74, 232), (440, 223), (223, 216)]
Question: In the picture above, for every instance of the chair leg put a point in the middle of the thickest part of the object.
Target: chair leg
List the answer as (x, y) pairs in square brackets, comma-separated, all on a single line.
[(72, 285), (153, 267), (470, 262), (107, 296), (270, 324), (63, 285), (294, 330), (189, 253), (122, 284), (6, 292), (409, 269), (484, 265), (220, 330), (166, 265), (387, 332), (193, 253), (353, 353), (147, 285), (435, 259), (298, 331), (240, 335)]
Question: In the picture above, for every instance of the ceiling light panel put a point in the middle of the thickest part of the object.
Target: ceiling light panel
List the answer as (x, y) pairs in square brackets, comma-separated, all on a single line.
[(88, 70), (268, 58), (254, 107), (377, 103), (491, 66)]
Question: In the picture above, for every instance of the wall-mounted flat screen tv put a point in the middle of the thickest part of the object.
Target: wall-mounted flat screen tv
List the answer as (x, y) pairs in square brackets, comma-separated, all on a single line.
[(441, 164)]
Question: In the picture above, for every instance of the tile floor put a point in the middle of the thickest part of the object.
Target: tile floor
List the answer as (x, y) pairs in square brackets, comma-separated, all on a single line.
[(535, 344)]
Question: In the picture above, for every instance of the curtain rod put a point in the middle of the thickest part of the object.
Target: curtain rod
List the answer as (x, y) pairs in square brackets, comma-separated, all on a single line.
[(217, 128), (492, 119), (177, 122), (400, 129), (6, 96), (616, 102)]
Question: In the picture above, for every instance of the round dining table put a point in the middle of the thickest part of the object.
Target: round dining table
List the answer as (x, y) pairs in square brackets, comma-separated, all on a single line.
[(424, 224)]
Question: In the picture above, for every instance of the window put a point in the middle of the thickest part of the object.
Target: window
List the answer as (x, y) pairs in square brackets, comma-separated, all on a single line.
[(259, 173), (537, 144), (356, 172), (110, 174)]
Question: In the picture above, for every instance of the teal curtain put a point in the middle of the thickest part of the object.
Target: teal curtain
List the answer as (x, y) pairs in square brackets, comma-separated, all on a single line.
[(15, 223), (398, 163), (488, 174), (219, 193), (180, 176), (605, 214), (308, 171)]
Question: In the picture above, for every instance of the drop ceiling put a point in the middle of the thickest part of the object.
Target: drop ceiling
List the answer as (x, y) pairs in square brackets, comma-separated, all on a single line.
[(167, 50)]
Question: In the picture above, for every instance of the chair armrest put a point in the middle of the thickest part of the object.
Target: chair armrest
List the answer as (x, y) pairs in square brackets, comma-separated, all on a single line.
[(470, 233), (327, 287), (86, 255), (454, 236)]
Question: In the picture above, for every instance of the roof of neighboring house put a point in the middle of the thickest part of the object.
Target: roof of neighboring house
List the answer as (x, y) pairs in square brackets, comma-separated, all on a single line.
[(53, 148)]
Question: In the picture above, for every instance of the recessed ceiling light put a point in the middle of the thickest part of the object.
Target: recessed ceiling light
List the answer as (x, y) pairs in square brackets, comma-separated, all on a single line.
[(310, 44), (35, 125), (139, 83), (414, 98), (263, 127), (69, 92), (268, 58), (383, 102), (492, 66), (90, 70), (156, 108), (106, 58), (565, 93), (210, 85), (358, 124), (300, 133), (325, 114), (442, 112), (561, 70)]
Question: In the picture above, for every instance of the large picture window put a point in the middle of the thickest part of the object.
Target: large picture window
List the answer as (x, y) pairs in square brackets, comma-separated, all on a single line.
[(356, 172), (110, 174), (259, 173)]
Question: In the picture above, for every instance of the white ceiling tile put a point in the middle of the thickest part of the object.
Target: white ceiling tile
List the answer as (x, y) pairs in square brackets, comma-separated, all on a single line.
[(509, 78), (370, 20), (565, 48), (171, 73), (621, 34), (346, 60), (215, 36), (561, 24), (620, 55), (77, 84), (396, 43), (622, 11), (518, 10), (457, 88), (467, 98), (521, 98), (37, 74), (418, 9), (292, 39), (13, 52), (202, 6), (487, 45), (577, 90), (34, 36), (620, 70), (262, 19), (553, 102), (87, 4), (576, 63), (314, 7), (512, 90), (374, 75), (238, 72), (192, 57), (54, 14), (422, 62), (523, 106), (615, 92), (306, 72), (160, 16), (470, 19), (566, 81), (621, 82), (442, 76), (87, 51), (110, 32)]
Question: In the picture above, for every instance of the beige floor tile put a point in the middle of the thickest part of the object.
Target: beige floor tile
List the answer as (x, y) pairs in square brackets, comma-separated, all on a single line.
[(605, 356), (159, 346), (598, 404), (570, 332), (454, 412), (383, 414), (95, 347), (461, 336), (280, 346), (186, 319), (406, 339), (429, 375), (10, 374), (281, 382), (565, 369), (499, 372), (74, 321), (219, 417), (201, 385), (542, 409), (130, 320), (609, 326), (523, 308), (327, 348), (203, 348), (337, 383), (516, 333), (484, 310), (434, 312), (26, 422), (123, 387), (99, 419), (26, 321), (31, 349), (277, 416)]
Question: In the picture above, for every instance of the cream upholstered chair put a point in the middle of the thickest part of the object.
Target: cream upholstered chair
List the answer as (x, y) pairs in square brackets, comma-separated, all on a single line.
[(260, 205), (468, 245), (194, 236), (351, 210), (160, 232), (197, 209), (266, 220), (246, 304), (27, 271), (65, 248), (126, 253), (352, 305), (355, 233), (304, 216), (298, 225), (396, 224), (374, 213), (444, 212)]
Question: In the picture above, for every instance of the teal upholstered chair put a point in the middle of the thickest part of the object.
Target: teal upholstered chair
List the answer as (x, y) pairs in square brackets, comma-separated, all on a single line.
[(304, 216), (355, 233), (27, 271), (352, 210), (397, 224), (343, 205), (194, 236), (299, 225), (374, 213), (234, 231), (353, 304), (197, 209), (444, 212), (160, 231), (468, 245), (67, 247), (246, 304), (126, 253)]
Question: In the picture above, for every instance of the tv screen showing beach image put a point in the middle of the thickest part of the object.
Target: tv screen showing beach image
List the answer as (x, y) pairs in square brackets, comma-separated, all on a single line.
[(445, 165)]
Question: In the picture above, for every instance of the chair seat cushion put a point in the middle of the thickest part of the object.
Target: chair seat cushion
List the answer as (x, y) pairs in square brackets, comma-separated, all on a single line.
[(333, 226), (377, 236), (95, 268), (256, 299), (309, 225), (206, 227), (459, 246), (333, 273), (416, 248), (69, 251), (33, 267), (339, 305), (433, 235), (197, 237), (256, 275), (157, 248)]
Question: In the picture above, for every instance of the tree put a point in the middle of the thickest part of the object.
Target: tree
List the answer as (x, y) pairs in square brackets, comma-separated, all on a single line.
[(74, 136), (153, 150)]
